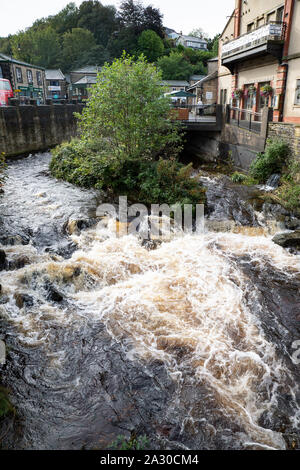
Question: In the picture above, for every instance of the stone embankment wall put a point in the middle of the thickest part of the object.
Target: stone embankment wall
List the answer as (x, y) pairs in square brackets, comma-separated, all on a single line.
[(26, 129), (286, 131)]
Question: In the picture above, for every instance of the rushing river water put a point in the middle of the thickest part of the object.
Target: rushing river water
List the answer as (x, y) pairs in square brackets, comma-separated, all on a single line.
[(189, 343)]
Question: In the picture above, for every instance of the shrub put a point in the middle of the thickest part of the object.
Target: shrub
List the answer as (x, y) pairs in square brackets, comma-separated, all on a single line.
[(162, 181), (272, 161), (289, 196), (237, 177), (134, 443)]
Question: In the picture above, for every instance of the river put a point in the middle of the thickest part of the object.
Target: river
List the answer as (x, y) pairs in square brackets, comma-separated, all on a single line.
[(190, 343)]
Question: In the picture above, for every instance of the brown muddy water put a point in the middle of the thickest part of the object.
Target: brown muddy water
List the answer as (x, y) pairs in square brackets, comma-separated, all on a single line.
[(190, 343)]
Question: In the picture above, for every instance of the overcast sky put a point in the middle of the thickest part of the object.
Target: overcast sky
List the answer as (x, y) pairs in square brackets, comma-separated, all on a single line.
[(181, 15)]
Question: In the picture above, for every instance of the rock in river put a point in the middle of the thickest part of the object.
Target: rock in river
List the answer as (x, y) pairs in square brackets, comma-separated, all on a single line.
[(288, 239)]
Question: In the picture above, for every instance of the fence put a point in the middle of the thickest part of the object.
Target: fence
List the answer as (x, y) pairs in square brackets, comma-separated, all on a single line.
[(245, 118)]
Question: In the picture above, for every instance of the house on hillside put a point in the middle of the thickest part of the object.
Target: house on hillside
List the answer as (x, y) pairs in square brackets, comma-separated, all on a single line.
[(259, 58), (28, 81), (81, 80), (175, 85), (195, 78), (171, 33), (192, 42), (56, 84)]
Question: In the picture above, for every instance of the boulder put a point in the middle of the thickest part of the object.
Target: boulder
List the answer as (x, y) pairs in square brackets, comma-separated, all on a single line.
[(22, 299), (2, 260), (288, 239)]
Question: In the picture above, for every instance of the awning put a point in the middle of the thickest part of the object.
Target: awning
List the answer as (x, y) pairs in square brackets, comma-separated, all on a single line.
[(181, 94)]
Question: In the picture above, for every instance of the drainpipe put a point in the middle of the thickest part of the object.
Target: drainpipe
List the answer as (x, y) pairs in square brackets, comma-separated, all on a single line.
[(288, 19), (237, 19)]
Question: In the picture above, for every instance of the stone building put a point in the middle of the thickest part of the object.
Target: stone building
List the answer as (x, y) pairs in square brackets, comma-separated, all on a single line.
[(259, 58), (81, 80), (27, 80), (175, 85), (56, 84), (206, 88)]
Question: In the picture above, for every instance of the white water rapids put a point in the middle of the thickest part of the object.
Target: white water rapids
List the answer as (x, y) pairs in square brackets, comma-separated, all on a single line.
[(187, 304)]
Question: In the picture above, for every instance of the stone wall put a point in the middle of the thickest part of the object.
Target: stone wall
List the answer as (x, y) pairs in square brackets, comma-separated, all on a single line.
[(286, 131), (26, 129), (241, 143)]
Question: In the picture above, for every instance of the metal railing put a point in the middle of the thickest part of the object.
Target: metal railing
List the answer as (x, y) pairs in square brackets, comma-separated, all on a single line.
[(272, 31), (193, 113), (245, 119)]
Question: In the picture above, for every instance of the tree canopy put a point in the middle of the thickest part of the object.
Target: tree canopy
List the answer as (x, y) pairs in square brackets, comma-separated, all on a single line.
[(127, 109), (93, 33)]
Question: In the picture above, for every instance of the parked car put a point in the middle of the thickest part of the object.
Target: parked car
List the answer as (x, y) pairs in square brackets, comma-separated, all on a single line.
[(5, 91)]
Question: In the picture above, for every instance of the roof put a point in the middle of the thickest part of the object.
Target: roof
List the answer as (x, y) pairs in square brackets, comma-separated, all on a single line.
[(88, 69), (197, 77), (213, 59), (7, 58), (175, 82), (86, 80), (211, 76), (52, 74)]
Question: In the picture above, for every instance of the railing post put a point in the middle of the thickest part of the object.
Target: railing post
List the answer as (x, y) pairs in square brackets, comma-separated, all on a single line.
[(250, 121), (227, 113), (265, 118)]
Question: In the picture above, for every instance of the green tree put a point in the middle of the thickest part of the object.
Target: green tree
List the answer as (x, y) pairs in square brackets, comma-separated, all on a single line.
[(175, 67), (99, 19), (213, 44), (75, 44), (40, 47), (128, 112), (5, 45), (151, 45), (65, 20), (197, 33)]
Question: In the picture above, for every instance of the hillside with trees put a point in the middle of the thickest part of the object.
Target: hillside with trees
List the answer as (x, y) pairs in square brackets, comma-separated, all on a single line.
[(93, 34)]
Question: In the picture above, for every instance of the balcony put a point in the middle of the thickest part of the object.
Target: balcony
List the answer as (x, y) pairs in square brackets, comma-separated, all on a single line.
[(267, 39)]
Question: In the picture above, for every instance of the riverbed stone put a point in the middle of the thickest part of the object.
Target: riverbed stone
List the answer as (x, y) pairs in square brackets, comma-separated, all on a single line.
[(22, 299), (288, 239), (2, 260)]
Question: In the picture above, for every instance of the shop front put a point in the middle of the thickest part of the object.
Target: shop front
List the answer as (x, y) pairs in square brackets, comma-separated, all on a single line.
[(30, 92)]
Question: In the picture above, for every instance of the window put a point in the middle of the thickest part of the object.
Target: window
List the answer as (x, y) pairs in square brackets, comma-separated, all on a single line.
[(19, 75), (250, 27), (297, 94), (260, 22), (271, 17), (5, 86), (29, 76), (279, 14), (39, 78)]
